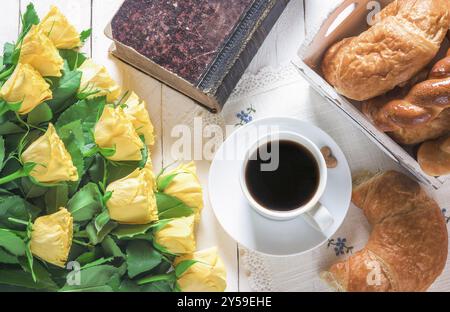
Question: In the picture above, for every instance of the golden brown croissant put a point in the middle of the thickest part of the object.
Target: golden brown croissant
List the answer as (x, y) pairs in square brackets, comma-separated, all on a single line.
[(434, 157), (407, 249), (423, 103), (404, 40)]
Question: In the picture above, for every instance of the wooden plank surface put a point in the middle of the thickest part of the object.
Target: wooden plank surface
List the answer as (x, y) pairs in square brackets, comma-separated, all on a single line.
[(10, 21)]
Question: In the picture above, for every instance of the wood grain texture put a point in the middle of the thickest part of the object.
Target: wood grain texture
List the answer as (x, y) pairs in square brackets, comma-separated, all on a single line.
[(10, 22), (283, 41)]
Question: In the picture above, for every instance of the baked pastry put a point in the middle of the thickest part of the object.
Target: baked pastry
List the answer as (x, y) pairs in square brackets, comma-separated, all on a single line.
[(407, 249), (423, 103), (434, 157), (405, 39), (428, 131)]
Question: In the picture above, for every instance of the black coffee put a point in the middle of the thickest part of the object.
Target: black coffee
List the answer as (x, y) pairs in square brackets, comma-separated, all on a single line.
[(291, 185)]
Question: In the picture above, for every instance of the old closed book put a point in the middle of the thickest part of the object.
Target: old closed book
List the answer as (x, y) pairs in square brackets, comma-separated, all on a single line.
[(199, 47)]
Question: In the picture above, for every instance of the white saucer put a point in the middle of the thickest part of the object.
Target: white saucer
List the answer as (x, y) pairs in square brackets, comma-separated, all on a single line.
[(250, 229)]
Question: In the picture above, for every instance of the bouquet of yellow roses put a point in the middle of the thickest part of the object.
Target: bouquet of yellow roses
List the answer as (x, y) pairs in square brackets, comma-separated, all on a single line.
[(80, 207)]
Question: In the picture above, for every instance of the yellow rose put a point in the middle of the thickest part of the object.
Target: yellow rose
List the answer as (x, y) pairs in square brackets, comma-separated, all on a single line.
[(26, 85), (96, 78), (186, 187), (207, 275), (138, 114), (178, 236), (114, 129), (133, 200), (56, 26), (40, 52), (54, 163), (51, 237)]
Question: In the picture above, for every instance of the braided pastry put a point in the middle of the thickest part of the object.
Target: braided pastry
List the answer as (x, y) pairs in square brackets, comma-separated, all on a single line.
[(434, 157), (407, 249), (422, 105), (428, 131)]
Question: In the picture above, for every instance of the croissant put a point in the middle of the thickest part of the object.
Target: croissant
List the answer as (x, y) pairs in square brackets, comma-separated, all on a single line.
[(405, 39), (434, 157), (423, 103), (407, 249)]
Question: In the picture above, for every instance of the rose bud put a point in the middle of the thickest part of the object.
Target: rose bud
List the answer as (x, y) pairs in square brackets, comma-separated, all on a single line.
[(186, 187), (138, 114), (96, 80), (56, 26), (207, 275), (177, 236), (133, 199), (53, 162), (51, 237), (26, 85), (115, 130), (40, 52)]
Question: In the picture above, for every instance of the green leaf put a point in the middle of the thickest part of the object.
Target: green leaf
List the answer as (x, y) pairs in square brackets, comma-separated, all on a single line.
[(40, 114), (128, 286), (164, 181), (107, 151), (72, 129), (7, 258), (96, 237), (171, 207), (2, 152), (85, 34), (87, 257), (73, 58), (12, 243), (31, 189), (64, 89), (23, 279), (10, 56), (15, 207), (124, 231), (86, 203), (8, 128), (157, 278), (183, 266), (159, 286), (101, 220), (141, 257), (111, 249), (98, 278), (56, 197), (86, 111), (98, 262), (29, 18)]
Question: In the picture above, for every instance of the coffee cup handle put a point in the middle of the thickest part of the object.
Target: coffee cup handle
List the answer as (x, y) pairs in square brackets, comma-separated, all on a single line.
[(319, 218)]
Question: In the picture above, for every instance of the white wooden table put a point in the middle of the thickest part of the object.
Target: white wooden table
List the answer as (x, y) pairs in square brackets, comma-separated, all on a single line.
[(167, 107)]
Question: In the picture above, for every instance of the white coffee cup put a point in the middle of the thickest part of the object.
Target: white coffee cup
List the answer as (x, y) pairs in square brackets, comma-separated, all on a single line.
[(313, 211)]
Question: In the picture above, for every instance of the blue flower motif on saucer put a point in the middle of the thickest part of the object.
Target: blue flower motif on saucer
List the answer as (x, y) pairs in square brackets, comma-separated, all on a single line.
[(340, 246), (245, 116)]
